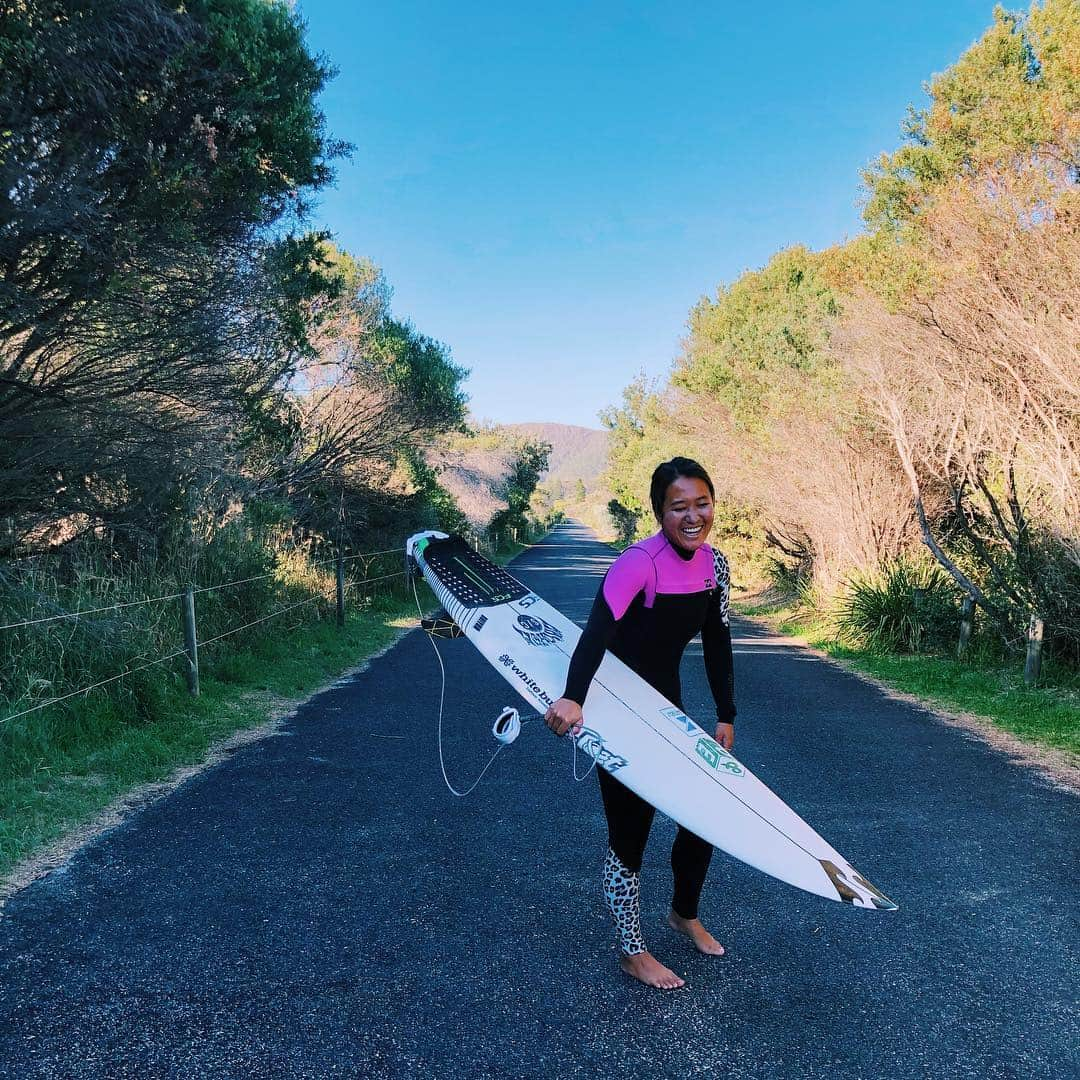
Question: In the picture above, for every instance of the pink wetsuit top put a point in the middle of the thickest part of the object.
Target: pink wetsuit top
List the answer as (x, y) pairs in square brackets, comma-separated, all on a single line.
[(654, 600)]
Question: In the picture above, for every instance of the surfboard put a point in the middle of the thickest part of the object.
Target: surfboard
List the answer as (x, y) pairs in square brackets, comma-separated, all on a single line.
[(631, 730)]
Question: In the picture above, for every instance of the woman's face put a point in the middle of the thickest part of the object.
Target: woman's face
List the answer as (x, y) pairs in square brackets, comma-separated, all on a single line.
[(688, 512)]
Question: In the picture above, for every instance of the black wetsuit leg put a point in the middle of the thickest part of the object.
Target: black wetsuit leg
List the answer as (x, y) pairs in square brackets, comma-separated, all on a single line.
[(629, 819), (690, 857)]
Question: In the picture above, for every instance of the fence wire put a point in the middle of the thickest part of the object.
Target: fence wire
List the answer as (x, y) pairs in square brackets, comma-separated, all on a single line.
[(180, 652), (176, 596), (207, 641), (93, 686)]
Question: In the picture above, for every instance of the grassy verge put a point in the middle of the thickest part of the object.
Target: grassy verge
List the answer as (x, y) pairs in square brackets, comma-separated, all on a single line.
[(62, 768), (1047, 714), (102, 754)]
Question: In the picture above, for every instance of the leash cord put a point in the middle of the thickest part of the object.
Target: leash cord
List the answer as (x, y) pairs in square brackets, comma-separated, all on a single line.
[(442, 700), (438, 729)]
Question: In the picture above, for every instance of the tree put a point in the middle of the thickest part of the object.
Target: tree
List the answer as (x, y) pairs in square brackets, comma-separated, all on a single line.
[(372, 393), (978, 386), (147, 309), (761, 396), (528, 460), (1015, 92)]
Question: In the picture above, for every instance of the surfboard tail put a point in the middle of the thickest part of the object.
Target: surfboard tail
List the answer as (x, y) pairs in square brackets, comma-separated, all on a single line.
[(852, 888)]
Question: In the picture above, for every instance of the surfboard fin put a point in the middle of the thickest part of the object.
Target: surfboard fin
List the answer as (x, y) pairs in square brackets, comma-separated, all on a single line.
[(855, 889)]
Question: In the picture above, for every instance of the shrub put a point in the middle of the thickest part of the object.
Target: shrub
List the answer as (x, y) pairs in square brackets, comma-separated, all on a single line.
[(899, 607)]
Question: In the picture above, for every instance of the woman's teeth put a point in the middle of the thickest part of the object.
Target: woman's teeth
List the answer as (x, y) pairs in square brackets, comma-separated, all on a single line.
[(691, 531)]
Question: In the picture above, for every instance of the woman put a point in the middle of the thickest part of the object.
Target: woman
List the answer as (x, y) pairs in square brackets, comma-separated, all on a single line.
[(657, 596)]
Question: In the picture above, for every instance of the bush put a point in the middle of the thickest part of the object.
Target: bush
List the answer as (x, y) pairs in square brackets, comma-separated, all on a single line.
[(900, 607), (794, 581), (625, 522)]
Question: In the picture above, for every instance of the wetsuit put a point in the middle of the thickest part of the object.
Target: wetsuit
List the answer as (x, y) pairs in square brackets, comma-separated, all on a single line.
[(654, 600)]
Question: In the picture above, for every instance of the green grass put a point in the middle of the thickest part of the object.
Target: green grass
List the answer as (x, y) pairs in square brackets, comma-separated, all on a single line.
[(70, 766), (1047, 714)]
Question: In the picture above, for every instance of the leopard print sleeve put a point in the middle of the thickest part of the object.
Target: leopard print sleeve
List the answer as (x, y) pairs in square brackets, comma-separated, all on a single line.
[(723, 584), (716, 643)]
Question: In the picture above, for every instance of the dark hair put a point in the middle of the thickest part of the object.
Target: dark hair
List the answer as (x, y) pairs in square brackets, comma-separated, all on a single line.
[(667, 473)]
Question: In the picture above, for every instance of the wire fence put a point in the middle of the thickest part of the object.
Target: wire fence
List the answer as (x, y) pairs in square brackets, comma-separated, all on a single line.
[(370, 555), (487, 543), (186, 596)]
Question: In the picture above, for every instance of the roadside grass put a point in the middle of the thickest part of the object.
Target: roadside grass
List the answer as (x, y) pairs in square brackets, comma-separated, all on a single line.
[(83, 759), (61, 767), (1047, 714)]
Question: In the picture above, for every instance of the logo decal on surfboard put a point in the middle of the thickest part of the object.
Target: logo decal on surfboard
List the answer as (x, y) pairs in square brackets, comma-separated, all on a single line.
[(681, 721), (537, 632), (716, 757), (531, 684), (593, 745)]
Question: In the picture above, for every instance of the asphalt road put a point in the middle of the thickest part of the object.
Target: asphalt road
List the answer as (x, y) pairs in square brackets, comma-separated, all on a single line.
[(319, 904)]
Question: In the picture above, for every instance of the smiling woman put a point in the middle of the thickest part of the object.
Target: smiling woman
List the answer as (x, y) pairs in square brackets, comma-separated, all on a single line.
[(656, 597)]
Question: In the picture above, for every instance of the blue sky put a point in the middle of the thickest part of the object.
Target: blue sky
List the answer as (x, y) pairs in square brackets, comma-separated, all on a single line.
[(550, 187)]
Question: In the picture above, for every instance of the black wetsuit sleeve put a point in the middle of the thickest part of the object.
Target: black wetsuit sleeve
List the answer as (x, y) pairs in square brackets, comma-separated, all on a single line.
[(597, 636), (716, 646)]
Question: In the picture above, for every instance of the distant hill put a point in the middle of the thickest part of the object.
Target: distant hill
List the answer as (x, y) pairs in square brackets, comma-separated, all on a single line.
[(474, 470), (577, 453), (476, 478)]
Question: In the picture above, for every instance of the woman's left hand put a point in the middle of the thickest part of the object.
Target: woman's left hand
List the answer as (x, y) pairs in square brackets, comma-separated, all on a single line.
[(725, 736)]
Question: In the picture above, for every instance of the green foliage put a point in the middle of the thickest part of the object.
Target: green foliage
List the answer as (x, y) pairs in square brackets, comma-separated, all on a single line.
[(529, 459), (898, 607), (154, 158), (758, 348), (422, 370), (643, 434), (792, 581), (440, 509), (625, 522), (170, 128), (1015, 90)]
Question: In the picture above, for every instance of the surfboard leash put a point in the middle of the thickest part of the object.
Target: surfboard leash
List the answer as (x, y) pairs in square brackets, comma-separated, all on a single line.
[(507, 726)]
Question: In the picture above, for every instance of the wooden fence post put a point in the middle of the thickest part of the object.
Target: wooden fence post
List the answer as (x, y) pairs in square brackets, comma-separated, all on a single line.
[(191, 641), (340, 576), (1033, 665), (967, 624)]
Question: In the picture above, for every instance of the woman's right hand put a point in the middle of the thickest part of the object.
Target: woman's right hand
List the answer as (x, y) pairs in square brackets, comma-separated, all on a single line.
[(563, 716)]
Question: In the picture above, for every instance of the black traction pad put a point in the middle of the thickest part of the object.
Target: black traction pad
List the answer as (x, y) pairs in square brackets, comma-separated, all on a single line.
[(470, 578)]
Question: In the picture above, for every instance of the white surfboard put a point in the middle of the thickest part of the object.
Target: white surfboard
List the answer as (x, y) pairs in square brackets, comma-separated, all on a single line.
[(631, 730)]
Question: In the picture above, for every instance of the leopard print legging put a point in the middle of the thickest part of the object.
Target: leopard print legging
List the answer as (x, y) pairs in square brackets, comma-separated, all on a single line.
[(622, 891)]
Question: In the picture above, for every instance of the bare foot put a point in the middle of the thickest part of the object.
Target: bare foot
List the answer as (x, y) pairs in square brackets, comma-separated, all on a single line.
[(703, 941), (647, 969)]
